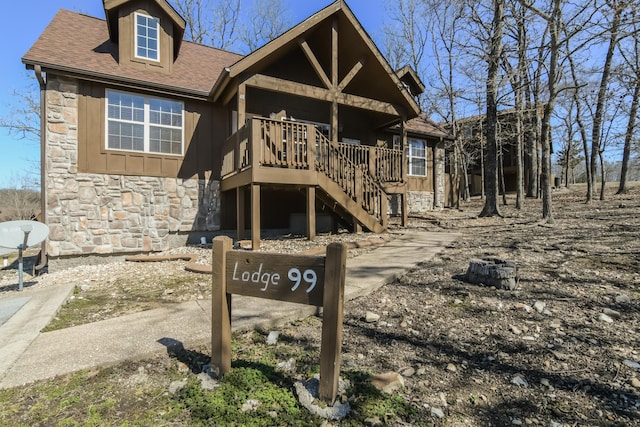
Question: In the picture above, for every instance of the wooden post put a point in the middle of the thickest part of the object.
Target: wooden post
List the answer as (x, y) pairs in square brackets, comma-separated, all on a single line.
[(405, 214), (359, 192), (311, 212), (240, 226), (384, 208), (311, 147), (371, 156), (255, 217), (221, 307), (332, 317), (242, 104)]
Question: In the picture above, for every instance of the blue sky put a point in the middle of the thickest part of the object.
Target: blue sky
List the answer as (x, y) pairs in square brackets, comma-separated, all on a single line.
[(22, 22)]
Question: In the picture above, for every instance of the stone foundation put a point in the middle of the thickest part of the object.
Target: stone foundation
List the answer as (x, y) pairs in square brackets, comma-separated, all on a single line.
[(106, 214), (419, 202)]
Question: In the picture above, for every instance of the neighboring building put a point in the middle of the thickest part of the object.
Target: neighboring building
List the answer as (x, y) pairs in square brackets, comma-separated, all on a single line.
[(472, 137), (149, 140)]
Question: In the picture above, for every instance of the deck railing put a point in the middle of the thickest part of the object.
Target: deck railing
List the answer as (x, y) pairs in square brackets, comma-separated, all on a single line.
[(277, 143), (358, 170), (358, 184), (383, 164), (282, 143)]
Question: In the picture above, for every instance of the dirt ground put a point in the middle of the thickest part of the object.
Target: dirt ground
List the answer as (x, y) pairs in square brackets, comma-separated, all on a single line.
[(562, 349)]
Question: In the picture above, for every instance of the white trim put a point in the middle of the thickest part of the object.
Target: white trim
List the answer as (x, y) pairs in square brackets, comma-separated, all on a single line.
[(410, 157), (147, 125), (135, 37)]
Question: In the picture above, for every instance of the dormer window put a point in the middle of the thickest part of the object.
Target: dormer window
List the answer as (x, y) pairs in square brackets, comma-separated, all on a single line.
[(147, 37)]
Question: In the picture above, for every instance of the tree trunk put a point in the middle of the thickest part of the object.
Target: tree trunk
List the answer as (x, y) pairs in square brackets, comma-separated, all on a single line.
[(582, 129), (628, 138), (503, 190), (603, 175), (602, 91), (491, 162)]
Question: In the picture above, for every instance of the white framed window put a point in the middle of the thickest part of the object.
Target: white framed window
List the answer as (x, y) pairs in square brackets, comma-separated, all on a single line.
[(147, 37), (143, 123), (417, 156)]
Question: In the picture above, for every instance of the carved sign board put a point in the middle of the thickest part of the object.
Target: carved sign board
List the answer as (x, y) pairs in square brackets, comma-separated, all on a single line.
[(317, 281), (280, 277)]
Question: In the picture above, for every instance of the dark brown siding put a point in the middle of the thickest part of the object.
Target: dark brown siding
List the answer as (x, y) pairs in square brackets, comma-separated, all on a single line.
[(423, 183), (201, 151), (126, 28)]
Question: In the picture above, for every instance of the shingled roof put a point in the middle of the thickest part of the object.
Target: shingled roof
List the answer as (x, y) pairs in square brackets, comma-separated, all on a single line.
[(79, 45), (425, 126)]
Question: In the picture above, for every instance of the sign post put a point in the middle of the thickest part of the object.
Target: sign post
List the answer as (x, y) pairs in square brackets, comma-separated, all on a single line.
[(316, 281)]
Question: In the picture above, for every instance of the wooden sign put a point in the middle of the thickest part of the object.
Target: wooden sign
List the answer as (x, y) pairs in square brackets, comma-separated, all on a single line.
[(317, 281), (281, 277)]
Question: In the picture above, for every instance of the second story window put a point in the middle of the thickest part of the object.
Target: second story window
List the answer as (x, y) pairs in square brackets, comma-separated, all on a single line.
[(147, 37)]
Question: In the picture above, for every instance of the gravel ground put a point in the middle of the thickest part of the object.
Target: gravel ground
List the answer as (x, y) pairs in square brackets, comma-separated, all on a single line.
[(562, 349)]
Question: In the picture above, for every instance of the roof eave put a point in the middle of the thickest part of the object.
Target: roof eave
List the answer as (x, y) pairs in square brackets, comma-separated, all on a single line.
[(116, 80)]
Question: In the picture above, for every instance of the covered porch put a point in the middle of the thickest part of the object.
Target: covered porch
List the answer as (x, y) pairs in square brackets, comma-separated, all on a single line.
[(354, 180)]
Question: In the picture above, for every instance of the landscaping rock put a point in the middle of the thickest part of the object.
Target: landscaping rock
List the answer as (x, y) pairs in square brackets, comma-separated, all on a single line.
[(387, 382), (370, 317), (309, 391)]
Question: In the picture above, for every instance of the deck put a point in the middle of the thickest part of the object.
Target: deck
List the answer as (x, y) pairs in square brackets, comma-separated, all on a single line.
[(358, 179)]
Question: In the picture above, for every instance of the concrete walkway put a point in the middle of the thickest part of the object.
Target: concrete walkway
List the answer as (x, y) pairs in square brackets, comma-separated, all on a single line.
[(27, 355)]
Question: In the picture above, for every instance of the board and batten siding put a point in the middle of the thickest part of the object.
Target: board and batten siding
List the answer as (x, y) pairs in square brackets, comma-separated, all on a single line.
[(98, 203), (94, 157)]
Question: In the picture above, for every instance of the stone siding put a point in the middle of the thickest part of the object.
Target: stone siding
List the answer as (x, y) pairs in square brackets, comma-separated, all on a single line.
[(439, 199), (106, 214), (419, 202)]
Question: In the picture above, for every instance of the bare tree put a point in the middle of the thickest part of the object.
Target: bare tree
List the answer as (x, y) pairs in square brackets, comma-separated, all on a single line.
[(632, 61), (579, 121), (491, 163), (617, 7), (210, 23), (554, 22), (266, 21), (19, 200), (23, 120), (406, 33)]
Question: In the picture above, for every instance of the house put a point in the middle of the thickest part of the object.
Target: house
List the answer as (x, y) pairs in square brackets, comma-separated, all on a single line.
[(472, 137), (149, 140)]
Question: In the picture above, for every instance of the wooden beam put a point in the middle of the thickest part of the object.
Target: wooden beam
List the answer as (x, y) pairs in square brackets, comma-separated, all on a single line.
[(242, 104), (354, 71), (234, 181), (299, 89), (269, 175), (240, 226), (315, 64), (335, 121), (311, 213), (334, 52), (255, 217)]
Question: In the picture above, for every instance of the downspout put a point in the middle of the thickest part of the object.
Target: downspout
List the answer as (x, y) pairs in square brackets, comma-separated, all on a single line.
[(43, 164)]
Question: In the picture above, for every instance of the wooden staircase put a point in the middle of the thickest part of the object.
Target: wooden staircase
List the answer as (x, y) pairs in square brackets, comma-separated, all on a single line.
[(269, 151), (346, 185)]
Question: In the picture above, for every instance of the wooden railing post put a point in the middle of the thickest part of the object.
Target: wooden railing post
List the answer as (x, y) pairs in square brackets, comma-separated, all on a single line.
[(255, 143), (221, 303), (311, 147), (373, 171), (359, 184)]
